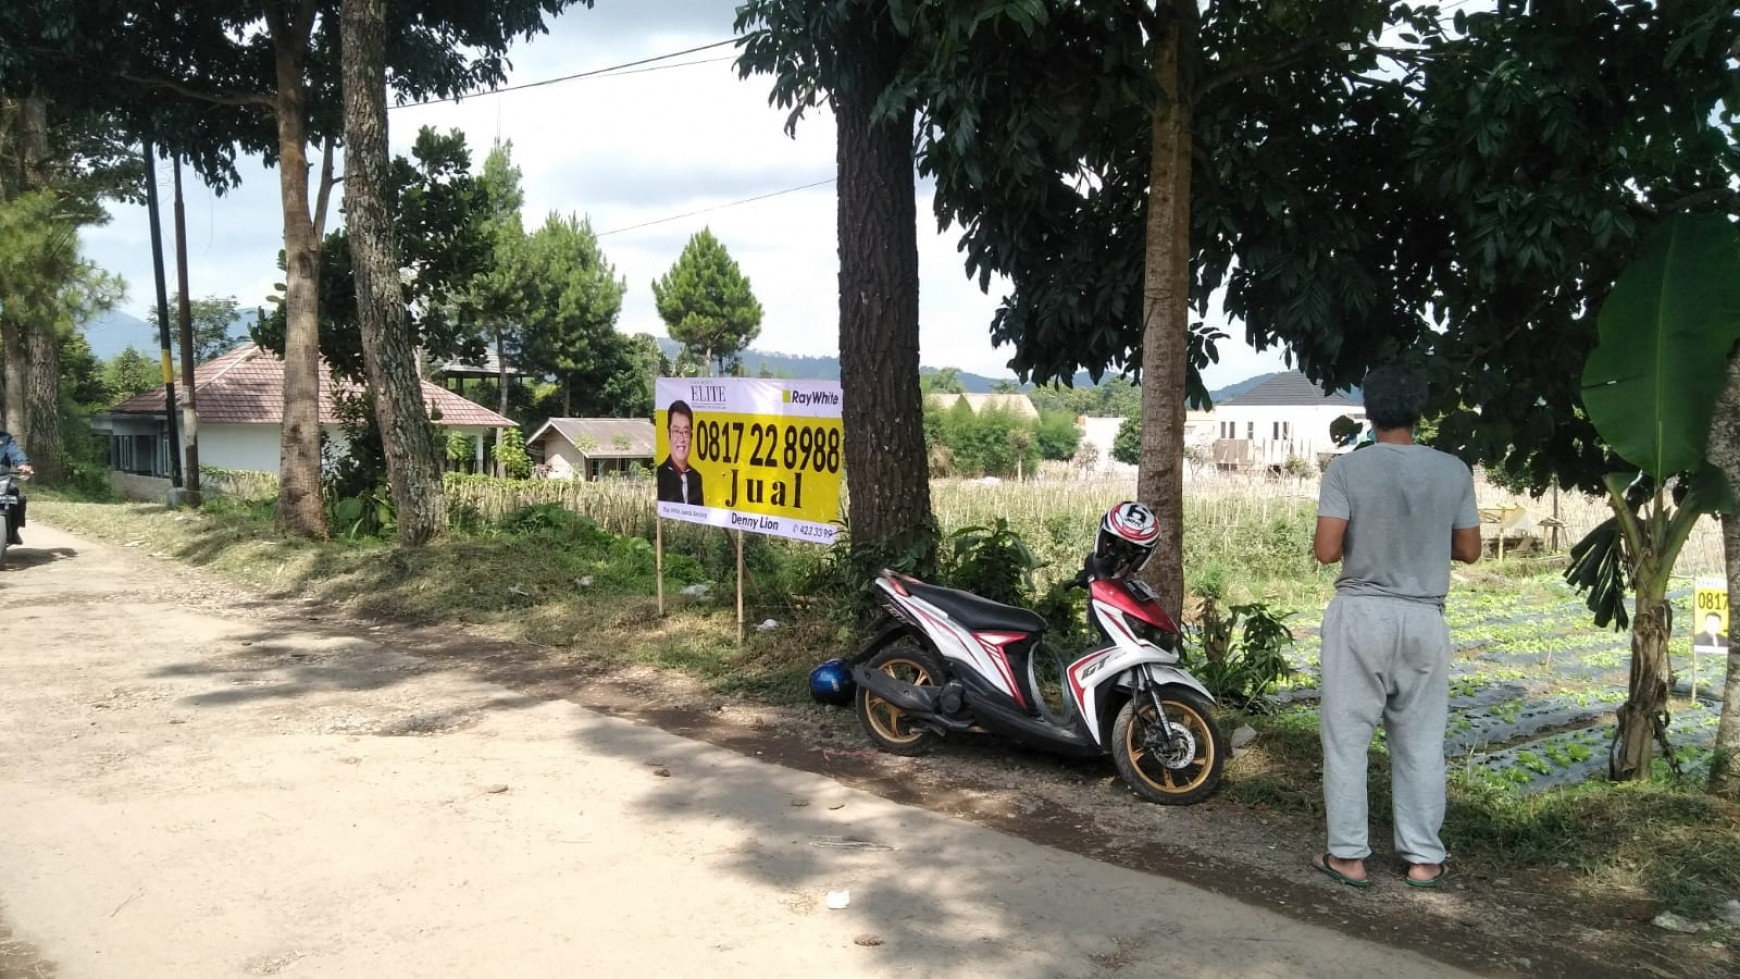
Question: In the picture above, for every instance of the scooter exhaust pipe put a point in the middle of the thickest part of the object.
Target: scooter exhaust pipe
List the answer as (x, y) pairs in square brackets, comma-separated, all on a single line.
[(937, 706), (906, 696)]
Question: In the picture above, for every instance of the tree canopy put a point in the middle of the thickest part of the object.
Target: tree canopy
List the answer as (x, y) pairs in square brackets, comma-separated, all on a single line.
[(572, 297), (706, 303)]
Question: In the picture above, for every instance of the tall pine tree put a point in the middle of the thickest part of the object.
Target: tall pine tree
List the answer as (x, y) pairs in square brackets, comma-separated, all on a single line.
[(706, 303)]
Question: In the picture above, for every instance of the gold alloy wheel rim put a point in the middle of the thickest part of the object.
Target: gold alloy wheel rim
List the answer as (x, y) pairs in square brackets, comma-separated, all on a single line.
[(1169, 779), (886, 719)]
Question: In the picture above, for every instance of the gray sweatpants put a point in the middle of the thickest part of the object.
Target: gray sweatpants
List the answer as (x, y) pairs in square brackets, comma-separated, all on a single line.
[(1388, 660)]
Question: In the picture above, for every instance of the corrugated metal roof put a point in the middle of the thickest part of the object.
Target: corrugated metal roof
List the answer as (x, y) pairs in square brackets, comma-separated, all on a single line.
[(1290, 389), (603, 438), (246, 387)]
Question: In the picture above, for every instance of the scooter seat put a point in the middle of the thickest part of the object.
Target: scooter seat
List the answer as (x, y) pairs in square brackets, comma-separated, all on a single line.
[(977, 614)]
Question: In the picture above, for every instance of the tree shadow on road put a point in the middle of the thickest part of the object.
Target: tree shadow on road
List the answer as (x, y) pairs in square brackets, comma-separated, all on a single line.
[(25, 557), (939, 896)]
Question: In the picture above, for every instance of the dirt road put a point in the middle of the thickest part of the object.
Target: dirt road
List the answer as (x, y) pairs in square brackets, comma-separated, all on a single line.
[(195, 784)]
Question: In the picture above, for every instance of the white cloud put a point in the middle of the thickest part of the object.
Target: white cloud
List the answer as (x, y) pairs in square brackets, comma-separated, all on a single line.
[(625, 151)]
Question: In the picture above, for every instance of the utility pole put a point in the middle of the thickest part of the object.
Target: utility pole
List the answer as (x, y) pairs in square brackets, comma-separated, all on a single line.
[(162, 314), (189, 416)]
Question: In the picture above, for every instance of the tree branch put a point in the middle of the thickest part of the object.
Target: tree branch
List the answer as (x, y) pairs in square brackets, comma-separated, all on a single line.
[(216, 98), (1147, 16), (1725, 197), (1291, 55), (1307, 45), (325, 194)]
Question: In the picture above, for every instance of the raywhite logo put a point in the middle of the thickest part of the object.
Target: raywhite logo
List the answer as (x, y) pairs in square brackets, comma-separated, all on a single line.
[(807, 398)]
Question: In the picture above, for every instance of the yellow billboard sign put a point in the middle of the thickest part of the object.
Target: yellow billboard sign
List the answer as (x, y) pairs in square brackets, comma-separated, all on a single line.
[(752, 454), (1710, 614)]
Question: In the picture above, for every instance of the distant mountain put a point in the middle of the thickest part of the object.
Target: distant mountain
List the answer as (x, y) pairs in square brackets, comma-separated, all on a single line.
[(115, 331), (813, 368)]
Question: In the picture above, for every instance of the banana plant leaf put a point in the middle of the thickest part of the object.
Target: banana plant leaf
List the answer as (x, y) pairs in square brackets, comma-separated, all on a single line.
[(1666, 330), (1598, 568)]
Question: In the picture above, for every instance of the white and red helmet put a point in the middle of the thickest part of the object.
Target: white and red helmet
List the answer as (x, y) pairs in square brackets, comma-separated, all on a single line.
[(1126, 540)]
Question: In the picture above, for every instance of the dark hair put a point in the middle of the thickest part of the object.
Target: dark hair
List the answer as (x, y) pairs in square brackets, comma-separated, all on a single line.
[(679, 408), (1395, 396)]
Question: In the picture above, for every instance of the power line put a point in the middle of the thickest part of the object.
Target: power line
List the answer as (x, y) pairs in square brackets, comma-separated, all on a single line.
[(591, 73), (717, 207)]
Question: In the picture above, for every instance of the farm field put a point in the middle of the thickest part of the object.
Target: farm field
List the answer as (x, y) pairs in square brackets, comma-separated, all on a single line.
[(1534, 681)]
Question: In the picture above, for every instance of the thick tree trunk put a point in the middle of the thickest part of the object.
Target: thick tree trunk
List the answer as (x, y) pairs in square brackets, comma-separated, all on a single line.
[(1642, 719), (389, 356), (887, 472), (300, 508), (1166, 323), (41, 376), (14, 353), (42, 404), (1725, 453)]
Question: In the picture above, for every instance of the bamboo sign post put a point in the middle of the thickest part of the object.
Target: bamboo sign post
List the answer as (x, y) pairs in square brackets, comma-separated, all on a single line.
[(739, 587), (748, 454), (659, 561)]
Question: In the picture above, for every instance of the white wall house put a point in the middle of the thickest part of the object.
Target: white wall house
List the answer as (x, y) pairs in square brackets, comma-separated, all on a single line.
[(592, 448), (240, 399), (1284, 417), (1100, 433)]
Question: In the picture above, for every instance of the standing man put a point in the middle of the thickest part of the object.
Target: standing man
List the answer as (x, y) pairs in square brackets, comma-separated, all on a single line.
[(12, 457), (1394, 514), (677, 482)]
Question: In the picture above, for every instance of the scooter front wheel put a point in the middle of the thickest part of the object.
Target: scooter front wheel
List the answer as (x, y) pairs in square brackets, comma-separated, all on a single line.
[(886, 724), (1175, 766)]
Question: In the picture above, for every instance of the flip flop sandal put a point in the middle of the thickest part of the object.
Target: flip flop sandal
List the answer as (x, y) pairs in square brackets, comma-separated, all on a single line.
[(1443, 870), (1321, 862)]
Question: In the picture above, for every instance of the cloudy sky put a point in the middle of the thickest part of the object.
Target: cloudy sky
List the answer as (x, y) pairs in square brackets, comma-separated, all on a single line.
[(625, 151)]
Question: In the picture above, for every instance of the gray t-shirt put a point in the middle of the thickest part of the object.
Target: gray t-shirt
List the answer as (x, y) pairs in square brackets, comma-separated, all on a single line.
[(1400, 503)]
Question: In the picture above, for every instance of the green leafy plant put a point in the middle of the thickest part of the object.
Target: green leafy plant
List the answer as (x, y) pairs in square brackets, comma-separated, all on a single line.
[(461, 448), (552, 519), (1650, 387), (1241, 653), (990, 561), (512, 455), (369, 514)]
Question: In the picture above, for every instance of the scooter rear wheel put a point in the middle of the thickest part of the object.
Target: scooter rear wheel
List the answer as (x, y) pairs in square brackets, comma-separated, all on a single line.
[(886, 724), (1176, 771)]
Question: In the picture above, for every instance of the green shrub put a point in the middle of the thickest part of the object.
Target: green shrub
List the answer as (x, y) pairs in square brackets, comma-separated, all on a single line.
[(1238, 656), (990, 561)]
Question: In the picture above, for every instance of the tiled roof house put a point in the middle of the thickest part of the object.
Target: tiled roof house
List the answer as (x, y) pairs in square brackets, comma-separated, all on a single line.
[(588, 448), (240, 398)]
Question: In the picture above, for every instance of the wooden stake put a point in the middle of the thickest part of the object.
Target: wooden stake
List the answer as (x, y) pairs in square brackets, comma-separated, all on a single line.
[(659, 560), (739, 587)]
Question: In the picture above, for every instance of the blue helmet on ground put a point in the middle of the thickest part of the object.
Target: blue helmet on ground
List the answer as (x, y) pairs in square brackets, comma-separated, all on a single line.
[(831, 683)]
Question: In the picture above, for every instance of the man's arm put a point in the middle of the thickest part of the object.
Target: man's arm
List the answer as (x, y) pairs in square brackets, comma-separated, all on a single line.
[(1465, 532), (1333, 513), (1326, 543), (1465, 544)]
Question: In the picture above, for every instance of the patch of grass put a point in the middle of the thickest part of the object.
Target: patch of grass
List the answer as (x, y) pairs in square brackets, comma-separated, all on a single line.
[(551, 581), (1665, 841)]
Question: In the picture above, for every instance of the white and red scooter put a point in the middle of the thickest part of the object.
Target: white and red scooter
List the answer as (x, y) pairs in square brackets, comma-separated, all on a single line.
[(948, 661)]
